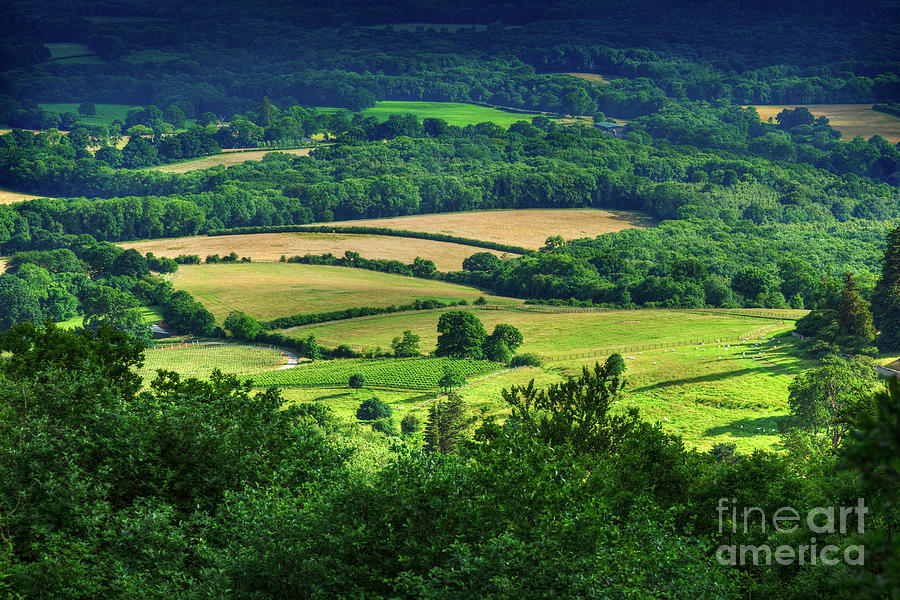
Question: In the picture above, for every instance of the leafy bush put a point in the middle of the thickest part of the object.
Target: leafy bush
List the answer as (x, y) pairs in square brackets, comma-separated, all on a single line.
[(525, 360), (385, 426), (410, 424), (374, 409), (357, 381)]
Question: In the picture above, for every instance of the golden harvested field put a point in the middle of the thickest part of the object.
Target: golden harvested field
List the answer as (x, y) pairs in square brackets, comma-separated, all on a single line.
[(850, 119), (594, 78), (225, 159), (262, 247), (268, 290), (10, 197), (527, 227)]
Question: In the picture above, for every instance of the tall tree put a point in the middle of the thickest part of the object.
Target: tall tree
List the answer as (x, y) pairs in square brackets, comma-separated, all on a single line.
[(825, 402), (461, 335), (445, 424), (886, 298), (854, 316)]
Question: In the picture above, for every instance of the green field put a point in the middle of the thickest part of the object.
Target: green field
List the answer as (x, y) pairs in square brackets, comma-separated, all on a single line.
[(405, 373), (106, 113), (296, 288), (705, 394), (455, 113), (199, 360), (555, 335), (150, 315), (714, 392)]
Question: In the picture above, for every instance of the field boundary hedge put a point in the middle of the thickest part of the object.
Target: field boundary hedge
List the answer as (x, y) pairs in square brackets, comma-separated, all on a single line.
[(300, 320), (421, 235)]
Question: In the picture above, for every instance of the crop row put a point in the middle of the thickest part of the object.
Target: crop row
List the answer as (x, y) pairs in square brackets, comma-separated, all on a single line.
[(407, 373)]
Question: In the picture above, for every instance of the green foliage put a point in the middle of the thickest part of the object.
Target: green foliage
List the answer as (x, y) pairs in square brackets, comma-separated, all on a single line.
[(827, 401), (241, 325), (445, 424), (886, 297), (503, 336), (451, 379), (481, 261), (577, 412), (406, 346), (461, 335), (525, 360), (854, 316), (410, 424), (356, 381), (374, 409)]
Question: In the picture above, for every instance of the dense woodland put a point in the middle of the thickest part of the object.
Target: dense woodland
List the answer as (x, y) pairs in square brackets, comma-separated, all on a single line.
[(182, 488)]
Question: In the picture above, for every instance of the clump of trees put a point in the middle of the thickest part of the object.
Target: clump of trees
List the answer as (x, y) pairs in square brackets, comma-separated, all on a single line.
[(462, 335)]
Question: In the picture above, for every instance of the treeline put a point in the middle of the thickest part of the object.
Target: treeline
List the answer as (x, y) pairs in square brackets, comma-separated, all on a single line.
[(537, 164), (203, 64), (100, 282), (352, 313), (357, 229)]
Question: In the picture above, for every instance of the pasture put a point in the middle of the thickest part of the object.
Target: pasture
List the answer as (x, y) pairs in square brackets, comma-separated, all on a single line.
[(11, 197), (850, 119), (552, 335), (730, 392), (106, 113), (454, 113), (226, 159), (525, 227), (271, 246), (199, 360), (404, 373), (268, 290)]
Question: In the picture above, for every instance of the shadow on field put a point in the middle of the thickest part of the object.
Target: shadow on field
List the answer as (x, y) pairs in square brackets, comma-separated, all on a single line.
[(333, 396), (705, 378), (750, 427)]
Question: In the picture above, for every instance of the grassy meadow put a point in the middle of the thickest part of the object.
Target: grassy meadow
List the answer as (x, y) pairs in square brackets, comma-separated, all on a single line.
[(199, 360), (268, 290), (850, 119), (730, 392), (269, 247), (553, 335), (524, 227), (106, 113), (454, 113)]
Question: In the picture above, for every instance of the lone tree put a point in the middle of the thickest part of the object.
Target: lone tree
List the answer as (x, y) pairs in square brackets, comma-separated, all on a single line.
[(450, 380), (445, 424), (356, 381), (87, 109), (407, 345), (461, 335), (826, 402), (374, 408), (886, 298)]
